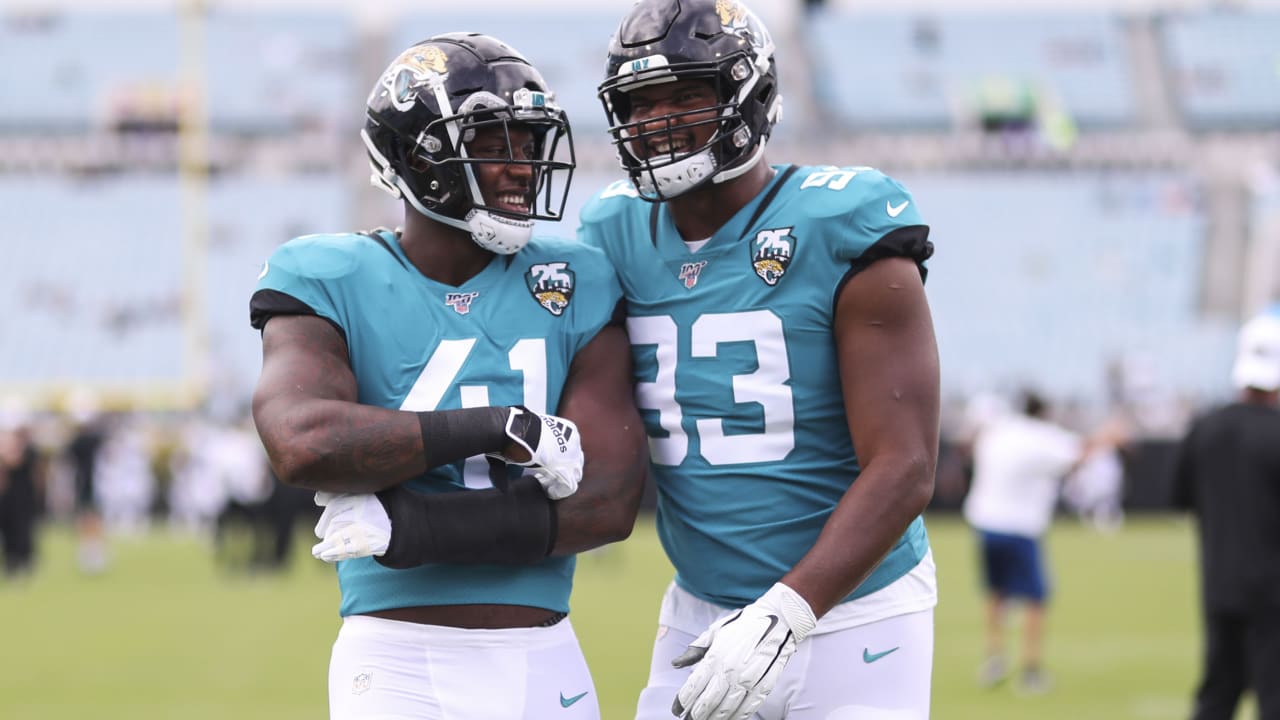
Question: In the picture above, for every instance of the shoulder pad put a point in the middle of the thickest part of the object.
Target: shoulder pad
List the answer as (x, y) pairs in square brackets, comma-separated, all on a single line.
[(321, 257), (616, 197), (829, 191), (542, 247)]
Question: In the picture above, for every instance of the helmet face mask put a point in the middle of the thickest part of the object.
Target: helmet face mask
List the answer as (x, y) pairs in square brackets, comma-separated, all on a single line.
[(715, 41), (678, 148), (428, 107)]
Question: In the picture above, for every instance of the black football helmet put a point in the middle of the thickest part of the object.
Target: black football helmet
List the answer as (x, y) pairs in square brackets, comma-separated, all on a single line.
[(428, 105), (716, 40)]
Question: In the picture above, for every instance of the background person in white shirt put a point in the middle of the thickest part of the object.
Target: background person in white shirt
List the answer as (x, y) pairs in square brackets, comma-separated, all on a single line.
[(1019, 460)]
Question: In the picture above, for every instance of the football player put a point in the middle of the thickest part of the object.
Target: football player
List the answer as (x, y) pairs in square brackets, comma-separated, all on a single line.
[(787, 374), (421, 365)]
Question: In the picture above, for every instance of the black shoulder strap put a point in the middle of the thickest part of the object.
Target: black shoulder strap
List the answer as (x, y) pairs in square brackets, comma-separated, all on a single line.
[(376, 236), (653, 222)]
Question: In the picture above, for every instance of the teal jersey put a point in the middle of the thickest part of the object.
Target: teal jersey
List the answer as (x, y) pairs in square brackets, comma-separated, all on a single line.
[(736, 368), (505, 337)]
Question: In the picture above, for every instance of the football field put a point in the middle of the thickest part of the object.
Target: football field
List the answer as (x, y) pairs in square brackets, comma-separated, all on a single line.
[(167, 634)]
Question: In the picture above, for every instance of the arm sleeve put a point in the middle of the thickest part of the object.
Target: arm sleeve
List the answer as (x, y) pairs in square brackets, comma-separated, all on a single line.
[(517, 527)]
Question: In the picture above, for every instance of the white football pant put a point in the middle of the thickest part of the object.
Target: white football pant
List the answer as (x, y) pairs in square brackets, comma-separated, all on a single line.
[(391, 670), (878, 671)]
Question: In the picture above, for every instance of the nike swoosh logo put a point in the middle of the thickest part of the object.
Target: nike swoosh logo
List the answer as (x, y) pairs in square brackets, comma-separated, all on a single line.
[(895, 211), (773, 622), (266, 266), (869, 657), (567, 702)]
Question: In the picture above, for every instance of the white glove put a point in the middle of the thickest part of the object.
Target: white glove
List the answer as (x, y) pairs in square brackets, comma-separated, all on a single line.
[(555, 450), (741, 656), (352, 526)]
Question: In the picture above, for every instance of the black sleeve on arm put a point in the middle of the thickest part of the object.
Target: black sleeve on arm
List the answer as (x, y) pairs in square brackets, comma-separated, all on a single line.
[(266, 304), (910, 241), (452, 435), (517, 527)]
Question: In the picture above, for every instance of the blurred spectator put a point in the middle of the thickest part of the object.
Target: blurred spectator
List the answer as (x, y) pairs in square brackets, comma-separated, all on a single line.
[(1025, 116), (269, 522), (1095, 491), (19, 492), (249, 487), (1228, 474), (82, 453), (124, 483), (199, 491), (223, 488), (1019, 459), (955, 455)]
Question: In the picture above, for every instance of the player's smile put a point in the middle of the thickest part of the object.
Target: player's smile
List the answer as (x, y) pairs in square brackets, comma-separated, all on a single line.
[(513, 200), (506, 187), (671, 144), (674, 119)]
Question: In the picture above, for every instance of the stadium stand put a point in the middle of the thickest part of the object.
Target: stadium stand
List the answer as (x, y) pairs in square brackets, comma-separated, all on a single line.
[(1225, 68), (264, 72), (249, 217), (1051, 278), (92, 290), (1128, 242), (95, 66), (926, 72), (281, 72), (569, 52)]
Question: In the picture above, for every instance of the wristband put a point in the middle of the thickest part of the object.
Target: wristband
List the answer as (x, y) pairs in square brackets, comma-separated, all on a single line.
[(452, 435)]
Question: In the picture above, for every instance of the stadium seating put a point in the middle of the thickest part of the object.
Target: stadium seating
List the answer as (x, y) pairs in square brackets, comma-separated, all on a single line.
[(278, 72), (1050, 278), (569, 50), (70, 72), (264, 72), (1225, 68), (249, 217), (1089, 265), (97, 292), (93, 288), (921, 72)]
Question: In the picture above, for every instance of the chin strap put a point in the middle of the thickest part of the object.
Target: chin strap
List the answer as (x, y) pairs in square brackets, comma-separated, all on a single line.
[(498, 233), (688, 173), (677, 178), (742, 168)]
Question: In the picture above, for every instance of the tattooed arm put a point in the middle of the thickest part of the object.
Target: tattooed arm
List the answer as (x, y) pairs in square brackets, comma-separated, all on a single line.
[(315, 433)]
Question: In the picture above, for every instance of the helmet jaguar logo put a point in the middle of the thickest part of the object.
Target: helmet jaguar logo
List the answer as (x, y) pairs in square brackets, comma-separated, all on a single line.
[(410, 70), (551, 284), (733, 16), (426, 59), (771, 254)]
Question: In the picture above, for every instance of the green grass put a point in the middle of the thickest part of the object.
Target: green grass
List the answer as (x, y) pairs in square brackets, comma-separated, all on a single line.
[(166, 634)]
